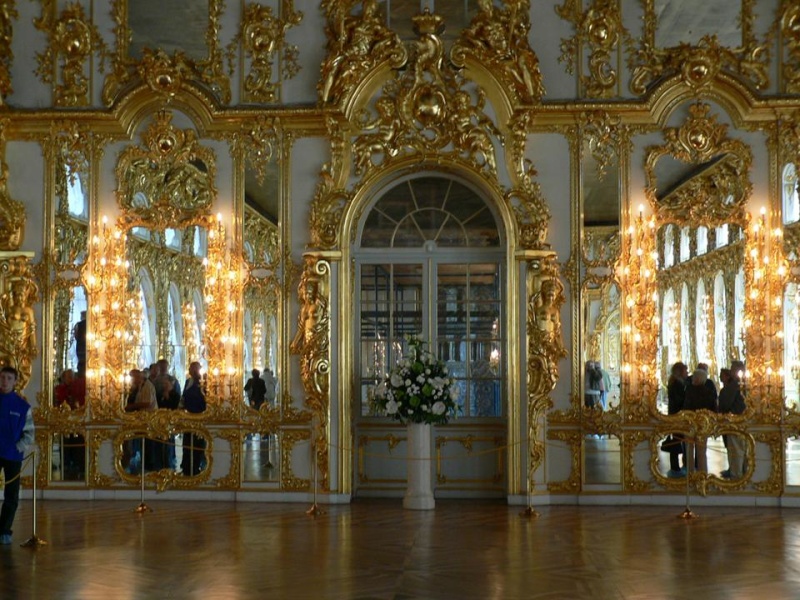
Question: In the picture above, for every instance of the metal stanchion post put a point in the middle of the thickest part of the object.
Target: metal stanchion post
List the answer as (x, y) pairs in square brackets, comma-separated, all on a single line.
[(687, 513), (315, 510), (34, 541), (142, 508), (529, 512)]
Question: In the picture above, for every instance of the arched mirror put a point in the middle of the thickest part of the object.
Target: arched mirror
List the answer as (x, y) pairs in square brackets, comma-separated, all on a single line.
[(698, 185)]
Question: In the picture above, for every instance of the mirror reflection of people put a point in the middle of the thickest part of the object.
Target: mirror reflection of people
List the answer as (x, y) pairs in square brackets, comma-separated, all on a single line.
[(142, 397), (193, 401), (592, 385), (270, 386), (16, 437), (256, 389), (79, 333), (699, 397), (731, 401), (676, 394)]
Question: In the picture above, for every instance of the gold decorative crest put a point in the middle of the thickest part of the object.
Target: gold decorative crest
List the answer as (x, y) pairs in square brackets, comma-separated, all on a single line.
[(168, 183), (497, 39)]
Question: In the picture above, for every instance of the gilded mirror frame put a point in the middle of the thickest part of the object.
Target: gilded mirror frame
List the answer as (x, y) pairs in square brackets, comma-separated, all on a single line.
[(162, 73), (715, 194)]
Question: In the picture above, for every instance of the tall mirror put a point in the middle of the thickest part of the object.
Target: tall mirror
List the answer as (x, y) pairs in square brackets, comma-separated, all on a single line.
[(262, 322), (68, 367), (600, 301), (698, 186), (157, 359)]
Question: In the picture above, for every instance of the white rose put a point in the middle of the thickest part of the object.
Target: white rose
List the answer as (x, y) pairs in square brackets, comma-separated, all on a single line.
[(438, 408), (453, 393), (396, 380), (391, 407)]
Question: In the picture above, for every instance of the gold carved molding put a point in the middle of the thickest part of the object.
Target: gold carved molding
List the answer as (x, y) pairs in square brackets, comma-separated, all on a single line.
[(8, 13), (169, 181), (18, 294), (163, 74), (717, 195), (599, 32), (72, 41), (496, 41), (356, 45), (312, 344), (262, 35), (698, 65), (12, 212)]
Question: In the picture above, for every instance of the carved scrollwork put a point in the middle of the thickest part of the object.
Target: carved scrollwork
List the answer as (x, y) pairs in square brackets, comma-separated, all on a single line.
[(427, 108), (169, 182), (73, 39), (262, 34), (573, 439), (497, 38), (165, 74), (287, 441), (698, 64), (357, 44), (12, 212), (600, 29), (789, 23), (312, 344), (18, 294), (717, 195), (259, 142), (7, 14)]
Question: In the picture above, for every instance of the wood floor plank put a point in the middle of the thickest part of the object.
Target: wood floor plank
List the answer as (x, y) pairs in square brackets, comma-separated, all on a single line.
[(376, 550)]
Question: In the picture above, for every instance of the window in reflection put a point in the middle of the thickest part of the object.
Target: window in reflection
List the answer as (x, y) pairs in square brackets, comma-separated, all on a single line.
[(721, 358), (147, 335), (669, 246), (172, 239), (76, 197), (686, 329), (702, 240), (702, 306), (178, 360), (685, 250), (792, 469), (723, 235), (791, 346), (200, 242), (791, 204), (738, 314), (670, 331)]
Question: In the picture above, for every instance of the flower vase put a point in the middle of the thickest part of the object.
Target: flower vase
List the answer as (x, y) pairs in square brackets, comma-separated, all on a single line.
[(419, 493)]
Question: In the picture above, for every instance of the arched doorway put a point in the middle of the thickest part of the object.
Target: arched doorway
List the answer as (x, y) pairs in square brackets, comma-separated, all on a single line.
[(430, 261)]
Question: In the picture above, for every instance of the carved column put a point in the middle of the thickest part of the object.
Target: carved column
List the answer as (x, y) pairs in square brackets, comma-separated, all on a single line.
[(545, 297)]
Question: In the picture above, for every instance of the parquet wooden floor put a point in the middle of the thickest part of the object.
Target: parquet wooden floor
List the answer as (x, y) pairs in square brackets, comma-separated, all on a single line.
[(376, 550)]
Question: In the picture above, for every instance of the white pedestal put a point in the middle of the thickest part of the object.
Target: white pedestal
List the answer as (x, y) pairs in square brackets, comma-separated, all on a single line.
[(419, 493)]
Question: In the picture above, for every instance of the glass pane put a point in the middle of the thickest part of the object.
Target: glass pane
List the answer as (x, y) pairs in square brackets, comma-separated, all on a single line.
[(484, 398)]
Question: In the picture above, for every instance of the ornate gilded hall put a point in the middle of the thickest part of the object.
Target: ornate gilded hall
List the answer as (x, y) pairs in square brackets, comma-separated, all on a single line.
[(298, 187)]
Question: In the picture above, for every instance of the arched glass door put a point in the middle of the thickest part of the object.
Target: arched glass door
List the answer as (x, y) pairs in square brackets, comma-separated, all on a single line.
[(430, 263)]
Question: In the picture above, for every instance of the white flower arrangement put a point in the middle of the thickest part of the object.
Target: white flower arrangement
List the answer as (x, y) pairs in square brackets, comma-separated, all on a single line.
[(417, 389)]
